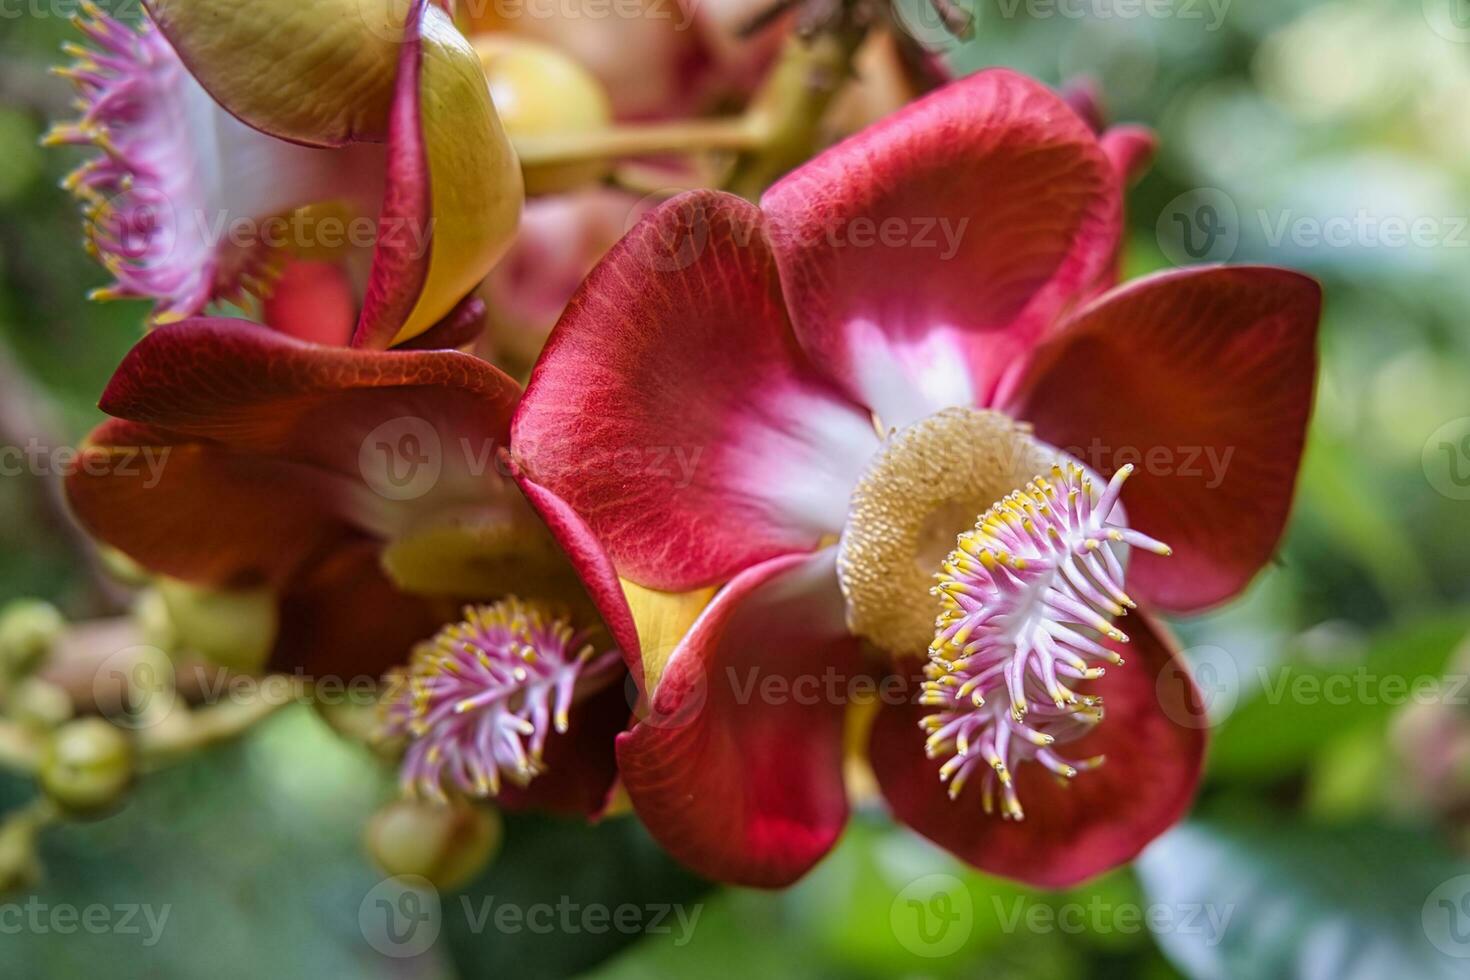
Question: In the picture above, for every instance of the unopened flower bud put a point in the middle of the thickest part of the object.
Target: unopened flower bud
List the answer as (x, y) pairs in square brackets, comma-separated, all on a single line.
[(445, 843), (20, 867), (28, 629), (123, 568), (87, 766), (155, 624), (234, 629), (40, 704), (541, 92), (1432, 742)]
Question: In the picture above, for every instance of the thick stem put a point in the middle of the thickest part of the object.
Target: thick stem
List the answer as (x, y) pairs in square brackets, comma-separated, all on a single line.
[(650, 139), (791, 105)]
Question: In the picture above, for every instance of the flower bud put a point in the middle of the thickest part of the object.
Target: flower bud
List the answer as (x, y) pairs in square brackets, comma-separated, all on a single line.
[(28, 629), (87, 766), (1432, 742), (538, 91), (234, 629), (20, 868), (122, 568), (446, 843), (39, 703), (155, 624)]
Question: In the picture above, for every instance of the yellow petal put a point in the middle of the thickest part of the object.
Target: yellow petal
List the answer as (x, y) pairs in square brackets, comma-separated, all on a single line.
[(662, 619)]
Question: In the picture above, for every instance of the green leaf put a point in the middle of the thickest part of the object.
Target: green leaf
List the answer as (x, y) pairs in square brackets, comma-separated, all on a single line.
[(1298, 901), (1299, 706), (562, 897)]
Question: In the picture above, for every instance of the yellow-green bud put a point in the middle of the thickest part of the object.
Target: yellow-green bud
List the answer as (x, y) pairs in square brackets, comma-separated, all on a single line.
[(155, 624), (28, 629), (235, 629), (123, 568), (446, 843), (540, 91), (20, 867), (87, 766), (40, 703)]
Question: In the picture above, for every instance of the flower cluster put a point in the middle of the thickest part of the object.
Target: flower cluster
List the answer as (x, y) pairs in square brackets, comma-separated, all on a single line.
[(868, 362)]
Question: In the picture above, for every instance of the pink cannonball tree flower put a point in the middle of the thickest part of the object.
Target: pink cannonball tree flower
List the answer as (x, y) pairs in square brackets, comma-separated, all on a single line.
[(912, 360), (228, 149)]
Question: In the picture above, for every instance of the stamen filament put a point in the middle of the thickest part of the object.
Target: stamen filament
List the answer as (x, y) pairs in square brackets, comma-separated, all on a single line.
[(1026, 595)]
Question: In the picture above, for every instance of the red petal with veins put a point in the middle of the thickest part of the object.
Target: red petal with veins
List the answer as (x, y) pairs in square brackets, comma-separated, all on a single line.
[(1153, 734), (922, 256), (1202, 378), (673, 410), (272, 448), (734, 770), (401, 257)]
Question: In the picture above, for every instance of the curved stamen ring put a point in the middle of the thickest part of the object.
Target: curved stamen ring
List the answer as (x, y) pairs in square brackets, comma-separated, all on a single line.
[(1027, 595), (478, 701)]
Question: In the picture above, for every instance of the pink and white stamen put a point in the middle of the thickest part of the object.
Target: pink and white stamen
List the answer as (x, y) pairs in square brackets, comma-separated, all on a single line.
[(479, 701), (1027, 595), (175, 200)]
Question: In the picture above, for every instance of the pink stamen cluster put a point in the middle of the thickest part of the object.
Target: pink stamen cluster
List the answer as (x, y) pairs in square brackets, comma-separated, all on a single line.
[(478, 701), (135, 100), (1027, 595)]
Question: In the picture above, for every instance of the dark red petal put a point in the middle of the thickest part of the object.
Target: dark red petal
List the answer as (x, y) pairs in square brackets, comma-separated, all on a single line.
[(401, 259), (922, 256), (262, 392), (1153, 736), (674, 412), (197, 511), (277, 447), (741, 785), (342, 619), (461, 327), (1203, 378)]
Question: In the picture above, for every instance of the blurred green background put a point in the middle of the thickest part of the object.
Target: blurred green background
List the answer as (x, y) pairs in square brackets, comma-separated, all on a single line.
[(1331, 833)]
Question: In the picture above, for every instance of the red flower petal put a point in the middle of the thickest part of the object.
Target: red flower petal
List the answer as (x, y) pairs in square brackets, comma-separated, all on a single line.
[(278, 448), (743, 785), (1153, 736), (341, 618), (1203, 378), (925, 254), (313, 301), (674, 412), (197, 511), (594, 567)]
